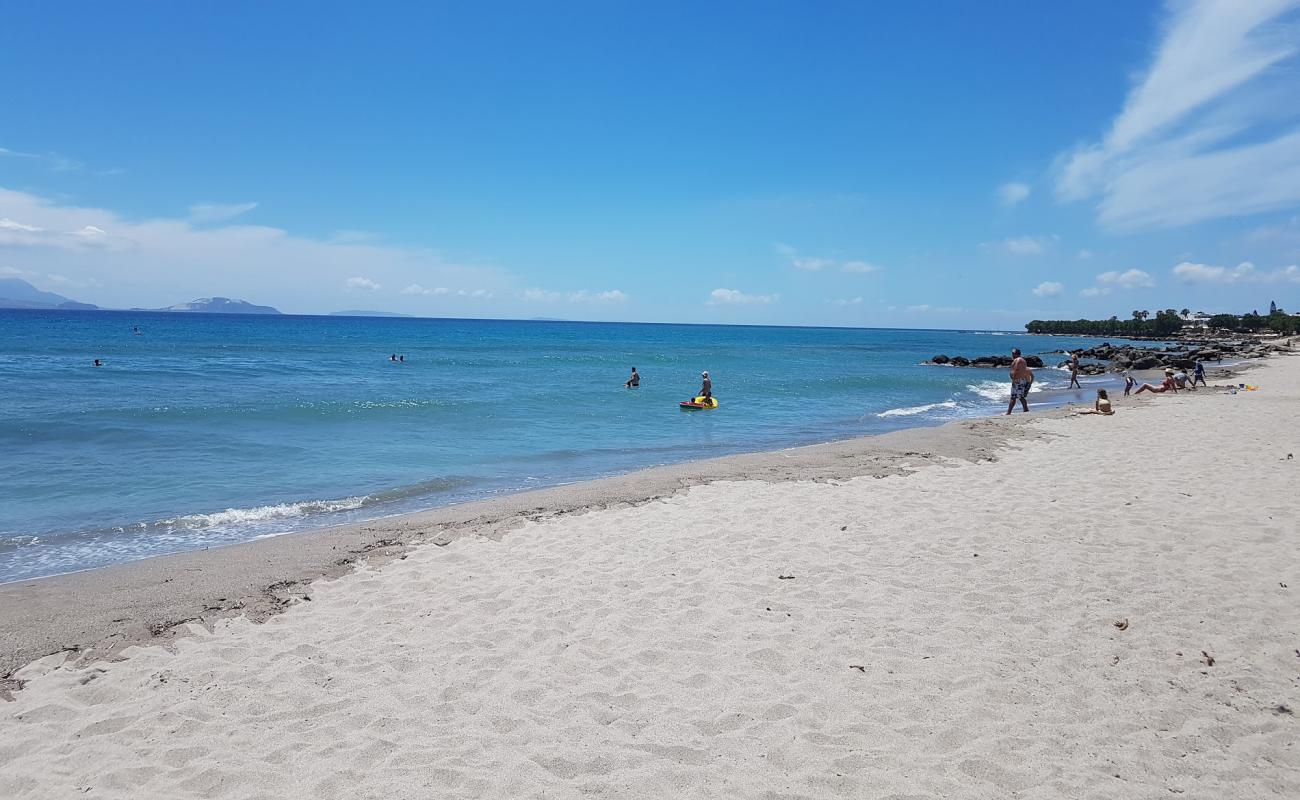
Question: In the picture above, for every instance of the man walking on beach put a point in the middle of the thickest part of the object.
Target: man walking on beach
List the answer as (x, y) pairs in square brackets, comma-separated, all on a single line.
[(1074, 371), (1021, 379)]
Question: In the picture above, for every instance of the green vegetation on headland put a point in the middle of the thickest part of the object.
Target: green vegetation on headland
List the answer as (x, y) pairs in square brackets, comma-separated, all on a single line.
[(1170, 323)]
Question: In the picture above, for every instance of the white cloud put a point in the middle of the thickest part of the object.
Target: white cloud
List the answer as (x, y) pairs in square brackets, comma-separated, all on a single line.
[(737, 297), (362, 283), (1129, 279), (855, 301), (858, 266), (1244, 272), (218, 212), (52, 161), (1010, 194), (926, 308), (1049, 289), (578, 296), (7, 224), (1107, 282), (1084, 255), (540, 295), (443, 291), (811, 264), (1211, 130), (1023, 245), (157, 262), (416, 288)]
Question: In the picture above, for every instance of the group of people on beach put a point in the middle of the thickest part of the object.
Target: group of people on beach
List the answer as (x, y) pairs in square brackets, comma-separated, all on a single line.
[(1174, 381), (1022, 378)]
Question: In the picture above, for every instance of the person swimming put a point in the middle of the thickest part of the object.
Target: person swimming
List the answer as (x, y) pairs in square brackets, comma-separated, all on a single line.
[(634, 381), (99, 363), (393, 357)]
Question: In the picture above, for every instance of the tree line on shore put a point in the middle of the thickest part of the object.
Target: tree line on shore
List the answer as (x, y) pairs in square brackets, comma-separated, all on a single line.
[(1169, 322)]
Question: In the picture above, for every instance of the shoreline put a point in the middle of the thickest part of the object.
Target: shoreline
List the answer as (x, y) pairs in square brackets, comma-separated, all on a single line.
[(95, 613), (1043, 400), (1114, 612)]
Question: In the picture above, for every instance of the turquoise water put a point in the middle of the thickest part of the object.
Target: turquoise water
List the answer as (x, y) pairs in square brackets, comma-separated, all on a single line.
[(210, 429)]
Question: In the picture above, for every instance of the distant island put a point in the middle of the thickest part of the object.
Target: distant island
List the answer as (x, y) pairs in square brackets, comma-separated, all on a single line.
[(355, 313), (15, 293), (220, 305)]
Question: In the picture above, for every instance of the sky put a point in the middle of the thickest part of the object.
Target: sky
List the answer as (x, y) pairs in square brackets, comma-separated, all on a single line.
[(937, 165)]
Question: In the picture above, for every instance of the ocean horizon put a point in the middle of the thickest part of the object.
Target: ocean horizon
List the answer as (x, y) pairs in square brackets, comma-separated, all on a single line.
[(203, 430)]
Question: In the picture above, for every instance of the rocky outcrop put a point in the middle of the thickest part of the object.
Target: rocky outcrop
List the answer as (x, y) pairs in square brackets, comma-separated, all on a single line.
[(981, 361), (1118, 358)]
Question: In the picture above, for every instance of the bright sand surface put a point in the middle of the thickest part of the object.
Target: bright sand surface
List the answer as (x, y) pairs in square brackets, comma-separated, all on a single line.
[(1037, 625)]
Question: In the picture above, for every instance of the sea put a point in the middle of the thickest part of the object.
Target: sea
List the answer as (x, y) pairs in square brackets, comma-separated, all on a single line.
[(201, 430)]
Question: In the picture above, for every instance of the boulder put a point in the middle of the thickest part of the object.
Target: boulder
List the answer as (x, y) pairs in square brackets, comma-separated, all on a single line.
[(1033, 361), (1146, 362), (960, 361), (940, 359)]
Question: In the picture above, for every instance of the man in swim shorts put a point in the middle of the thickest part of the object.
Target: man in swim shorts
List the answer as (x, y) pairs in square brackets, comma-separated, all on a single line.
[(706, 388), (1022, 377)]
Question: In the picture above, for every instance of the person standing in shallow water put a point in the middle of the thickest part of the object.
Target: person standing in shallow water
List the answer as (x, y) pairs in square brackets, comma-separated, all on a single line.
[(1074, 371), (1022, 377), (633, 381)]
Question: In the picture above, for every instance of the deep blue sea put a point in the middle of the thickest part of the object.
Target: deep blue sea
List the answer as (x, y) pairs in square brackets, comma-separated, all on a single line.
[(204, 430)]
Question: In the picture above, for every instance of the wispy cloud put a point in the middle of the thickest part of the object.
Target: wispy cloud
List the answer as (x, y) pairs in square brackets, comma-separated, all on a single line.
[(578, 296), (218, 212), (816, 264), (362, 283), (1211, 130), (443, 291), (1010, 194), (843, 301), (155, 262), (53, 161), (7, 224), (1023, 245), (1095, 291), (1049, 289), (737, 297), (1245, 272)]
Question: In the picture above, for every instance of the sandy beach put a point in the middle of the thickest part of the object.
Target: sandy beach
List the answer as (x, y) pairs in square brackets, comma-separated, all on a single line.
[(1043, 606)]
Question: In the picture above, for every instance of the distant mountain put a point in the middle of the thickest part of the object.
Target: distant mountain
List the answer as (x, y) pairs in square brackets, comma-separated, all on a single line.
[(220, 305), (367, 314), (15, 293)]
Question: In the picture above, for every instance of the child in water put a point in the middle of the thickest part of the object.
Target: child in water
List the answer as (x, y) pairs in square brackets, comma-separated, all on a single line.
[(1101, 405)]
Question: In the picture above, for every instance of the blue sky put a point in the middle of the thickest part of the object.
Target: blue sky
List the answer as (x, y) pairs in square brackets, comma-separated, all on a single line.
[(920, 165)]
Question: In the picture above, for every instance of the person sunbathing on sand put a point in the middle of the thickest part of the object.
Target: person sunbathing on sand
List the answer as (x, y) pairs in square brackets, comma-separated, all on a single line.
[(1165, 385), (1101, 405)]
